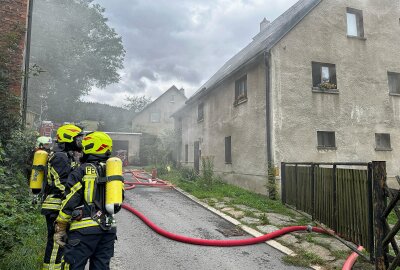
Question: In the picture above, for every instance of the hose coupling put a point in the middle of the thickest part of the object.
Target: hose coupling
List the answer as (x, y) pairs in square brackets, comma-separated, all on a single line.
[(309, 228)]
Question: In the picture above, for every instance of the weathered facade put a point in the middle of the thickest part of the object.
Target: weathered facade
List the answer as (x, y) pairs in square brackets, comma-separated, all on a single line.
[(320, 83), (156, 117)]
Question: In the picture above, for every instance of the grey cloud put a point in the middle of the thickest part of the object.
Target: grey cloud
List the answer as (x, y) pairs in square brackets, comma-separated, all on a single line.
[(182, 41)]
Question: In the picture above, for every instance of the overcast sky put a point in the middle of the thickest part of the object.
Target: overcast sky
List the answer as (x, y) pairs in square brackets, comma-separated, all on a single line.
[(179, 42)]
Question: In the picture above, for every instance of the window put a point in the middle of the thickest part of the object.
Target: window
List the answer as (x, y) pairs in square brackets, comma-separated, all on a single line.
[(326, 139), (172, 99), (200, 112), (241, 90), (394, 83), (382, 142), (186, 153), (355, 24), (155, 117), (228, 153), (324, 76)]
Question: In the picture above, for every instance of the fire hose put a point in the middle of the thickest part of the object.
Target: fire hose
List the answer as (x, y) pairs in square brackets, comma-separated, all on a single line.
[(224, 243)]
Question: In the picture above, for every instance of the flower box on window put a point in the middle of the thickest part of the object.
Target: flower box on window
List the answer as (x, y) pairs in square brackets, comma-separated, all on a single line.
[(327, 85)]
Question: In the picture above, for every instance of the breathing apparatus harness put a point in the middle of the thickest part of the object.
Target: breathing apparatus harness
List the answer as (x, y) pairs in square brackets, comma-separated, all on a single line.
[(96, 208)]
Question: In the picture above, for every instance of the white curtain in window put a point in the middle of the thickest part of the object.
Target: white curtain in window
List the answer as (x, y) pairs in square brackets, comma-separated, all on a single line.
[(352, 24)]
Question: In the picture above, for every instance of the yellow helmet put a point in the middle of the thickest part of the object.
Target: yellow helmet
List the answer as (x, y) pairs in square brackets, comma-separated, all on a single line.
[(66, 133), (97, 143)]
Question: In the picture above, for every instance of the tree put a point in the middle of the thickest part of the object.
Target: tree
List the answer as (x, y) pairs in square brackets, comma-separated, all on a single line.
[(73, 44), (136, 103)]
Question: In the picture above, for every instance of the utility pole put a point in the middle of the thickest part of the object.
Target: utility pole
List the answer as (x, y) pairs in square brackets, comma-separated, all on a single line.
[(26, 68)]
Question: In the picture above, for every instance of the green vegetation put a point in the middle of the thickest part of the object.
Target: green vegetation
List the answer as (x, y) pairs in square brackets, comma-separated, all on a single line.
[(304, 259), (392, 218), (221, 190), (271, 185), (158, 150), (22, 228), (207, 170)]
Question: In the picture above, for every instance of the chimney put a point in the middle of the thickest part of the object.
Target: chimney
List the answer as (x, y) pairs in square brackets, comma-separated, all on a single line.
[(264, 24), (182, 90)]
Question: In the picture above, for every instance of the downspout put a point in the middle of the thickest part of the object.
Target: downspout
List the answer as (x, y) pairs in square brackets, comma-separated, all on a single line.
[(268, 132), (26, 68)]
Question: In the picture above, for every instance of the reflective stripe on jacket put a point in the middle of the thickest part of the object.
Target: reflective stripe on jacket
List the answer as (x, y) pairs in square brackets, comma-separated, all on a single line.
[(59, 167)]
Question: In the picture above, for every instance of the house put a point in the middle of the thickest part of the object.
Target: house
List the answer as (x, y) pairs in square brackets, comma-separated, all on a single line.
[(321, 83), (156, 116)]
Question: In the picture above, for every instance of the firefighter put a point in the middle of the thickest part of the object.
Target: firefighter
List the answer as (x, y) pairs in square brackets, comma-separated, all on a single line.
[(59, 165), (43, 143), (94, 192)]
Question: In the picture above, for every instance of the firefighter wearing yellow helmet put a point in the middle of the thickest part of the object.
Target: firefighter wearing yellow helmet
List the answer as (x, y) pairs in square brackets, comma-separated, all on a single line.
[(94, 193), (60, 164)]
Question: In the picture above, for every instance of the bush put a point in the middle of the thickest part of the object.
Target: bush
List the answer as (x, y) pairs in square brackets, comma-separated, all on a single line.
[(271, 182), (188, 174), (18, 216), (207, 169)]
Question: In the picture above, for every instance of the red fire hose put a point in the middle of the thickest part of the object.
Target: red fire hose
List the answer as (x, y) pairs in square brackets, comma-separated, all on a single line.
[(351, 260), (220, 243)]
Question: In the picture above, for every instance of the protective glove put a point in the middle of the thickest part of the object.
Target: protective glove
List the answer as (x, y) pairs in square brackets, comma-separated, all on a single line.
[(60, 233)]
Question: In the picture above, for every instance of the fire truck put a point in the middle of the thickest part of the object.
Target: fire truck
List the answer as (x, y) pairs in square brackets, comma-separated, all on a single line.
[(46, 129)]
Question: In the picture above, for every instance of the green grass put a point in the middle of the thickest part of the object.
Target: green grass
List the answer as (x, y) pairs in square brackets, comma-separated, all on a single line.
[(221, 190), (304, 259), (28, 254), (392, 218)]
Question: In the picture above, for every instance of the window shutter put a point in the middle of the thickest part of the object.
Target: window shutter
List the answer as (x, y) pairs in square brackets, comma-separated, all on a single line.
[(316, 74)]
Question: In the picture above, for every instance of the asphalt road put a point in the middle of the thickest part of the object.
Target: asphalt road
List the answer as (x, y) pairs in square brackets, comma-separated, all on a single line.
[(139, 247)]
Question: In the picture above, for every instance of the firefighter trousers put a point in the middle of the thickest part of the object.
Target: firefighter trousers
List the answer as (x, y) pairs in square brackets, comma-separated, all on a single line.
[(53, 253), (98, 248)]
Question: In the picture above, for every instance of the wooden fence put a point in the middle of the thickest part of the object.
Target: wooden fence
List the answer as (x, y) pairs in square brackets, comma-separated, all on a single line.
[(339, 195)]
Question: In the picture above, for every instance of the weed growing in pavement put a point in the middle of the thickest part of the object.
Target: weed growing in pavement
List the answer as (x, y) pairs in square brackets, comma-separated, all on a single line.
[(341, 254), (304, 259), (264, 219)]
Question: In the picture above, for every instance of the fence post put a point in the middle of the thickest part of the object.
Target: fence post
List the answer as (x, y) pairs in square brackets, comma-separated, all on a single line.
[(370, 212), (312, 190), (283, 182), (296, 187), (379, 181), (334, 200)]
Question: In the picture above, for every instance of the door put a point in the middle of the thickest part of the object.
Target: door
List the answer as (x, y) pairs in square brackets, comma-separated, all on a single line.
[(196, 156)]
